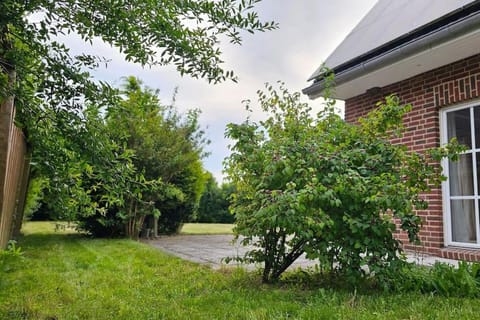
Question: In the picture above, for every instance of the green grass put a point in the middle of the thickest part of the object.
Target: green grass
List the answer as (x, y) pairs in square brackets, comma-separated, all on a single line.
[(207, 228), (66, 276), (48, 227)]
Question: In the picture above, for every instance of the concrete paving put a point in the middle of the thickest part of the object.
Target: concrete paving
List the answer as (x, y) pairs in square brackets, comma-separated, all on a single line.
[(213, 249)]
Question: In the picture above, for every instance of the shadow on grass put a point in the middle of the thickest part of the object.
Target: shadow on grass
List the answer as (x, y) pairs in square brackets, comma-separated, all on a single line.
[(40, 239)]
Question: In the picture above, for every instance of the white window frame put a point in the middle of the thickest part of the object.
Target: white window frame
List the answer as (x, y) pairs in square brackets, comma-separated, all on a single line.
[(447, 221)]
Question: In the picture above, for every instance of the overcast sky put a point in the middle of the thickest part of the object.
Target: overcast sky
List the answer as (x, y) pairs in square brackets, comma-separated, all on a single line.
[(309, 31)]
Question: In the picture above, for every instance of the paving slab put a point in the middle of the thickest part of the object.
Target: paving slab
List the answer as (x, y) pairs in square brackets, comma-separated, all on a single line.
[(213, 249)]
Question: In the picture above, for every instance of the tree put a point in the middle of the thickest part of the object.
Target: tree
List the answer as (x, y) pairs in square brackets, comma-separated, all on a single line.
[(97, 174), (166, 146), (160, 167), (183, 33), (50, 87), (327, 188), (215, 202)]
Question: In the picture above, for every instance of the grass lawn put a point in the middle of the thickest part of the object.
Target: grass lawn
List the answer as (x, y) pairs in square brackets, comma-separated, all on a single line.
[(207, 228), (66, 276)]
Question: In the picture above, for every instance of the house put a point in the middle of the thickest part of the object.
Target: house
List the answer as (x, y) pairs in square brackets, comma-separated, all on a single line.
[(428, 53)]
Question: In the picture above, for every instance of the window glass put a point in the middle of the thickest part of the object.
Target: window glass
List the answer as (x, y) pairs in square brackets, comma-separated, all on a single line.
[(461, 176), (463, 221), (458, 123), (476, 116)]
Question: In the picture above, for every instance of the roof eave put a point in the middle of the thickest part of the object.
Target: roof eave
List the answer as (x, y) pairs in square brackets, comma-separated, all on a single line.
[(422, 43)]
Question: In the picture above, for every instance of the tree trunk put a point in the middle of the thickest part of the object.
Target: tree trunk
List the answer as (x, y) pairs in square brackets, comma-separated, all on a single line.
[(155, 227), (139, 225), (128, 225), (266, 272), (134, 234)]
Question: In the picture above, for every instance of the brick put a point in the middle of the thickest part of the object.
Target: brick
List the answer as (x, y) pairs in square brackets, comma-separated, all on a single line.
[(428, 92)]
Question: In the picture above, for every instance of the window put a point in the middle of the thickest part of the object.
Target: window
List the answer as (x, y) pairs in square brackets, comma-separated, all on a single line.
[(461, 190)]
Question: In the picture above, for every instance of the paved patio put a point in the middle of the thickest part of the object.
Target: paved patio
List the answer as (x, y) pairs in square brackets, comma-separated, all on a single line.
[(212, 249)]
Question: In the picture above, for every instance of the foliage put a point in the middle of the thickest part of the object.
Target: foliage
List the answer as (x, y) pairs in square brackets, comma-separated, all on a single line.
[(12, 249), (52, 88), (191, 180), (159, 169), (38, 69), (34, 196), (214, 202), (65, 276), (441, 279), (77, 168), (321, 186), (185, 34), (66, 143), (10, 257)]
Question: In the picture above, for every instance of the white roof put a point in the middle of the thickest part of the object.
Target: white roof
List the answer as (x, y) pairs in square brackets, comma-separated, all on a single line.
[(387, 21)]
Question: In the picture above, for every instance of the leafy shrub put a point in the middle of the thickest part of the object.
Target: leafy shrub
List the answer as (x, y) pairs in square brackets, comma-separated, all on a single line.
[(172, 218), (148, 166), (442, 279), (214, 203), (463, 281), (10, 256), (327, 188), (106, 225), (33, 201)]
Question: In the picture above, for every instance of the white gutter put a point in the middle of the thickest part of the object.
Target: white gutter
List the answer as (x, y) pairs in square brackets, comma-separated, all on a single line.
[(424, 43)]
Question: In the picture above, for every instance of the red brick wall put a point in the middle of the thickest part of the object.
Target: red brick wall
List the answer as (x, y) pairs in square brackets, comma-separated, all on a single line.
[(427, 93)]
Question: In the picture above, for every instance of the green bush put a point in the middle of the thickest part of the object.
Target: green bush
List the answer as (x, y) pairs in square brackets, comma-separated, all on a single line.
[(214, 203), (105, 225), (148, 166), (327, 188), (463, 281), (33, 201), (10, 257), (441, 279)]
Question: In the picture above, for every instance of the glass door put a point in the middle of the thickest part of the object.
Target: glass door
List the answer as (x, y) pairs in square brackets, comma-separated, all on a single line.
[(462, 187)]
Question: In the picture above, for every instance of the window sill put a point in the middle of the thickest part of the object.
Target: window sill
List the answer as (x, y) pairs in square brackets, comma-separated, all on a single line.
[(464, 254)]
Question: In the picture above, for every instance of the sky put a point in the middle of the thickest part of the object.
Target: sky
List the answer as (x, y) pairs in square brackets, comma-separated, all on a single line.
[(309, 30)]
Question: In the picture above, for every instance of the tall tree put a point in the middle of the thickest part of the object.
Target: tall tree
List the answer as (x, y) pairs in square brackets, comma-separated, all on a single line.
[(48, 86), (38, 70), (215, 201), (183, 33), (166, 147)]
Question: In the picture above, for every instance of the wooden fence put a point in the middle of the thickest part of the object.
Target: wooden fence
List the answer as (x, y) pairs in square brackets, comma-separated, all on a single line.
[(14, 169)]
